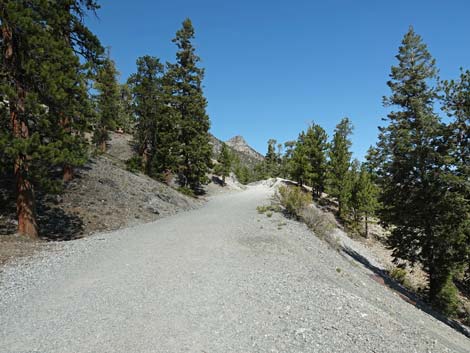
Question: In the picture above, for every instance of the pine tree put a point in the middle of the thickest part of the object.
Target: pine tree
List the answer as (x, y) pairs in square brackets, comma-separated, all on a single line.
[(125, 120), (339, 163), (107, 103), (65, 21), (300, 167), (40, 73), (349, 196), (286, 159), (366, 196), (148, 97), (271, 159), (456, 103), (224, 160), (418, 195), (316, 146), (185, 82)]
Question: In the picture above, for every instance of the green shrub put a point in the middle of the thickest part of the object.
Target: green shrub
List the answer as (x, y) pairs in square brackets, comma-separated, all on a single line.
[(294, 200), (265, 208), (186, 191), (446, 299), (398, 274), (298, 204), (134, 164), (269, 214)]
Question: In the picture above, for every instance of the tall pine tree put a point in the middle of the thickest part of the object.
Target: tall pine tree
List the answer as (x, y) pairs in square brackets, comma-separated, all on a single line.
[(224, 160), (339, 163), (366, 197), (107, 103), (419, 198), (300, 167), (185, 83), (40, 73), (316, 146)]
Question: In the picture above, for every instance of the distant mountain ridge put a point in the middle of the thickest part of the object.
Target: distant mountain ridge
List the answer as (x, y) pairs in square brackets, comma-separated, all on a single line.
[(237, 144)]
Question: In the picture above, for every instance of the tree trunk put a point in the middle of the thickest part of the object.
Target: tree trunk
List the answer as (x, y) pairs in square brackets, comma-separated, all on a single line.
[(67, 172), (25, 200), (145, 161), (102, 147), (366, 220)]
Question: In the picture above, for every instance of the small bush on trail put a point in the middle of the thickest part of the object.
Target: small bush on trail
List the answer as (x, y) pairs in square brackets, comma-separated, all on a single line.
[(398, 274), (265, 208), (319, 223), (299, 204), (294, 200)]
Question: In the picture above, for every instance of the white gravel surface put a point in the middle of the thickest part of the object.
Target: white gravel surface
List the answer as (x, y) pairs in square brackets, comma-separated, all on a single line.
[(221, 278)]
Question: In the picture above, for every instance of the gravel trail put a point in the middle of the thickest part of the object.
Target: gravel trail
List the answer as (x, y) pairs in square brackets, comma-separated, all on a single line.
[(221, 278)]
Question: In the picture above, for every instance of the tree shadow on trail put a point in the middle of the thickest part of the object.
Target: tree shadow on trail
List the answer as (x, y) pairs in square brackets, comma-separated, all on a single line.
[(381, 277)]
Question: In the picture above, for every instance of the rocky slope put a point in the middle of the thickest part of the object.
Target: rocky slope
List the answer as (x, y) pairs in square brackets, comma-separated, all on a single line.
[(103, 196)]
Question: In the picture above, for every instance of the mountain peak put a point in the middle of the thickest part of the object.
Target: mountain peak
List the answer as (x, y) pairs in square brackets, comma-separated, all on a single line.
[(237, 140), (238, 143)]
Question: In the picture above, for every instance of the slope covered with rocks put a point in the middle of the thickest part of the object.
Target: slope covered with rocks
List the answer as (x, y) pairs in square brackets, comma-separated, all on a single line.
[(103, 196)]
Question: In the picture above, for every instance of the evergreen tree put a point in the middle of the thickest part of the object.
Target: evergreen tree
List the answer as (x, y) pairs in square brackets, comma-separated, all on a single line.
[(243, 174), (316, 146), (224, 160), (349, 196), (125, 119), (73, 110), (419, 198), (457, 105), (271, 159), (366, 197), (339, 163), (107, 103), (300, 167), (40, 73), (155, 132), (286, 160), (185, 82)]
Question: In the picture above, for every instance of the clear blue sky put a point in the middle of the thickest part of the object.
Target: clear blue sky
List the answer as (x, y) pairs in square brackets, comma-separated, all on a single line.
[(274, 66)]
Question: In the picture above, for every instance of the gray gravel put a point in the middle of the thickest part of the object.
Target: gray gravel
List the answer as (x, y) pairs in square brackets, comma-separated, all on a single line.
[(221, 278)]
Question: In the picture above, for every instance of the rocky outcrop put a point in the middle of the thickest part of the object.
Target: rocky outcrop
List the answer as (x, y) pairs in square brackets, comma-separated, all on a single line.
[(239, 144), (240, 148)]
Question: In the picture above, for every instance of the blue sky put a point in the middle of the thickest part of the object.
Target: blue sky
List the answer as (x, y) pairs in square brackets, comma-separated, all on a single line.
[(272, 67)]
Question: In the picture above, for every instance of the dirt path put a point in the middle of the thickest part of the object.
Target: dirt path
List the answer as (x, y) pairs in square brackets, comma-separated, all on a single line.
[(221, 278)]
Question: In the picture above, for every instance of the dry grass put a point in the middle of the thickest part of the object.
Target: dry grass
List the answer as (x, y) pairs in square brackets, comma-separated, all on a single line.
[(299, 204)]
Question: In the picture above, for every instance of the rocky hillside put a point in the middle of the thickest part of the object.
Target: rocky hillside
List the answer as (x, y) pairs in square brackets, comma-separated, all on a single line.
[(240, 148), (103, 196)]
